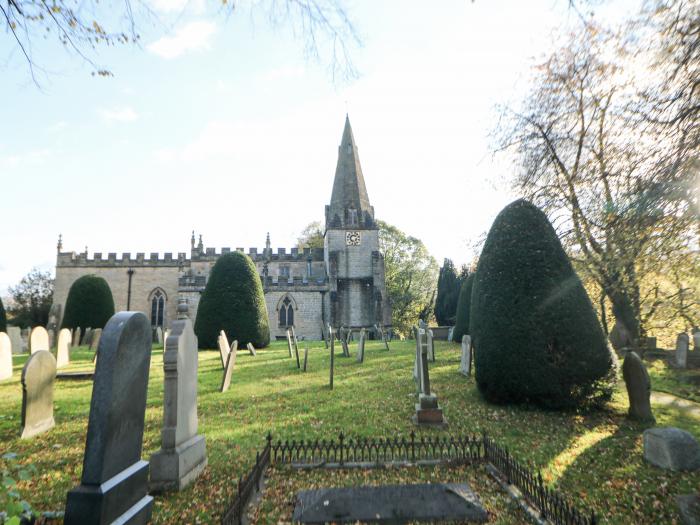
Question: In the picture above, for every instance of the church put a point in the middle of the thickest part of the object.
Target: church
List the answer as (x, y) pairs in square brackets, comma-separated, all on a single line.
[(342, 284)]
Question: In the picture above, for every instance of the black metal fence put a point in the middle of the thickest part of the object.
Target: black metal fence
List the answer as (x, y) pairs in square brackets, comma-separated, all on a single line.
[(245, 488), (366, 452)]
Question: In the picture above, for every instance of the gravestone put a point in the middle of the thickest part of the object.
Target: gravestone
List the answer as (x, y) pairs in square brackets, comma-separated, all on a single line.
[(638, 387), (251, 349), (76, 337), (620, 337), (224, 348), (228, 369), (52, 323), (361, 347), (26, 336), (428, 411), (5, 356), (682, 343), (159, 335), (306, 356), (63, 348), (696, 338), (15, 335), (344, 338), (38, 376), (689, 508), (289, 343), (183, 453), (296, 353), (671, 448), (431, 344), (295, 341), (95, 339), (39, 339), (114, 483), (332, 338), (465, 362), (87, 336), (450, 334), (166, 334)]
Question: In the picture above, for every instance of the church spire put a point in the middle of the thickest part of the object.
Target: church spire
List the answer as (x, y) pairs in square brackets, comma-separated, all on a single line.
[(350, 205)]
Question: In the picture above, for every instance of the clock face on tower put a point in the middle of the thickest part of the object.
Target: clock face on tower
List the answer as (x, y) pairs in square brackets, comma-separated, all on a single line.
[(352, 238)]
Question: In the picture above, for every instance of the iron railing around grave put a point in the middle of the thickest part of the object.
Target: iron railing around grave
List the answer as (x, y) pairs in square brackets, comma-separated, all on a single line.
[(367, 452), (246, 486), (553, 506)]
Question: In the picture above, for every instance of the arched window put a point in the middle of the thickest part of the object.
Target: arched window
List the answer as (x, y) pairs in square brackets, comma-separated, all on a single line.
[(286, 312), (157, 308)]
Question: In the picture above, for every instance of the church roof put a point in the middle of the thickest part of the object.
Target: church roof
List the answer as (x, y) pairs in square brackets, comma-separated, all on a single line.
[(349, 190)]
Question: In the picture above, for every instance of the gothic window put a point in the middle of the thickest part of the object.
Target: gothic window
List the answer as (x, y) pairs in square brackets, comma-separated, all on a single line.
[(352, 217), (286, 312), (284, 271), (157, 308)]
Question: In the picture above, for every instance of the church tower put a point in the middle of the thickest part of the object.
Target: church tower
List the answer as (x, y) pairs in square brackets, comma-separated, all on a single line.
[(354, 264)]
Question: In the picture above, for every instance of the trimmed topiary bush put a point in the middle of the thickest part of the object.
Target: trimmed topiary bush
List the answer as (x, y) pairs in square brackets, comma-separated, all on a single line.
[(536, 336), (463, 309), (3, 318), (89, 303), (233, 301)]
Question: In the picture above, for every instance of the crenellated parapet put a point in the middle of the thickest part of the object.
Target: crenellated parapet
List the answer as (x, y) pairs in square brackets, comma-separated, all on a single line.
[(73, 259), (280, 255)]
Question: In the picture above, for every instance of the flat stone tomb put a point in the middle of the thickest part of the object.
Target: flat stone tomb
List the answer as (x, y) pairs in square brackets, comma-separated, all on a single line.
[(224, 348), (39, 339), (63, 348), (38, 377), (183, 453), (114, 484), (424, 502), (5, 356), (228, 370)]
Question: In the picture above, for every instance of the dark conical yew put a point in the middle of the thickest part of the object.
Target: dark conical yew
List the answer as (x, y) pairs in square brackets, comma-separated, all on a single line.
[(89, 303), (233, 301), (463, 309), (536, 336)]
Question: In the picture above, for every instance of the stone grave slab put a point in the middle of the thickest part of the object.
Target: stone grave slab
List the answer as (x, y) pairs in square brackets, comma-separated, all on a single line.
[(423, 502), (38, 376), (5, 356), (114, 483), (38, 339)]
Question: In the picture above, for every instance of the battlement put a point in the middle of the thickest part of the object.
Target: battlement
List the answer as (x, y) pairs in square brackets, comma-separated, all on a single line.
[(293, 283), (72, 259), (281, 254)]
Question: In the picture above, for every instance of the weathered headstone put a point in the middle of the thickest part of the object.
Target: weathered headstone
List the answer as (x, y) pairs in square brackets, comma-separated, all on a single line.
[(682, 343), (671, 448), (306, 356), (361, 347), (38, 376), (251, 349), (26, 336), (39, 339), (166, 334), (332, 338), (620, 337), (95, 339), (417, 374), (224, 348), (87, 337), (696, 339), (295, 341), (465, 362), (159, 335), (228, 369), (344, 338), (450, 334), (431, 344), (114, 483), (638, 387), (76, 337), (63, 348), (289, 343), (296, 353), (52, 323), (428, 411), (5, 356), (183, 453), (15, 335)]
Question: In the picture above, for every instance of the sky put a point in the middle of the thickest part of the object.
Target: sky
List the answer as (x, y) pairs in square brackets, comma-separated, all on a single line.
[(221, 124)]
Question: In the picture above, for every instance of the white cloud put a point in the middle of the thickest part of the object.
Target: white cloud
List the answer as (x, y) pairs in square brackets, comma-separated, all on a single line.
[(192, 37), (123, 114)]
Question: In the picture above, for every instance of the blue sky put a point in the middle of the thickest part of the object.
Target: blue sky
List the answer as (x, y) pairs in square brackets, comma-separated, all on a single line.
[(221, 125)]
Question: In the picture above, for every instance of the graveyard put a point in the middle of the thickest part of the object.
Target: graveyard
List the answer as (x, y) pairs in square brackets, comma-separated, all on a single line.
[(594, 457)]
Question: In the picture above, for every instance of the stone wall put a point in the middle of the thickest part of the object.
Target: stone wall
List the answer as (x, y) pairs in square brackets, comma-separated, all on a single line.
[(307, 313)]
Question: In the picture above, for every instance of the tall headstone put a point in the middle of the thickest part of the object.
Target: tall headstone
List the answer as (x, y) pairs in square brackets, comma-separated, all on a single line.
[(95, 339), (39, 339), (361, 347), (26, 337), (228, 369), (296, 353), (417, 365), (87, 337), (450, 334), (330, 334), (289, 343), (465, 362), (295, 341), (5, 356), (428, 411), (638, 387), (114, 484), (306, 356), (15, 335), (696, 339), (431, 344), (76, 337), (63, 348), (682, 343), (159, 335), (224, 348), (38, 376), (183, 452), (52, 324)]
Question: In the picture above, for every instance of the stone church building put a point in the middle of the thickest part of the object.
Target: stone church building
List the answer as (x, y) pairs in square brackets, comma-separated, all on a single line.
[(342, 283)]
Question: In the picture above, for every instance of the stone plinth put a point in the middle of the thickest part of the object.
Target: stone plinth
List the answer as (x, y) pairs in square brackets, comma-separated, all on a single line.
[(428, 411)]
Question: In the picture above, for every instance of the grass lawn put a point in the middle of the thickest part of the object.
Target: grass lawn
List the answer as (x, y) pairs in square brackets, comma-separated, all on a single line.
[(679, 382), (594, 457)]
